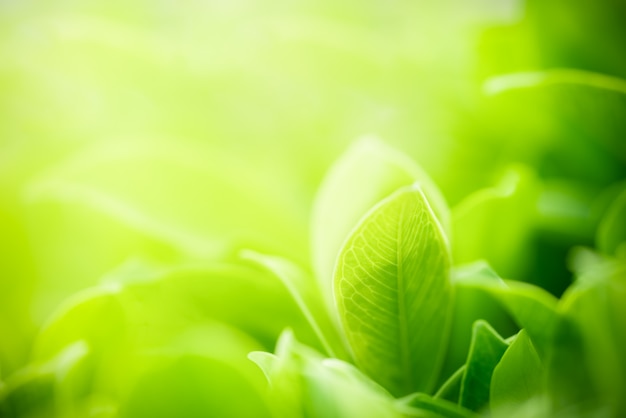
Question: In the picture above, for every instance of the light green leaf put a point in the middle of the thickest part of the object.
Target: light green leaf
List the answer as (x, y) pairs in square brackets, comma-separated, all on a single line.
[(200, 372), (612, 229), (167, 392), (307, 295), (283, 373), (393, 293), (368, 172), (518, 377), (505, 83), (486, 349), (422, 405), (305, 384), (126, 316), (265, 362), (170, 298)]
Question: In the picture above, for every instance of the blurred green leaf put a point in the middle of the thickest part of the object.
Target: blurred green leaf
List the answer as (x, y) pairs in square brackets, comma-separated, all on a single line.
[(500, 84), (393, 290), (518, 377), (531, 307), (422, 405), (307, 295), (495, 224), (450, 390), (145, 312), (473, 300), (173, 298), (54, 388), (201, 371), (305, 384), (595, 308), (612, 229)]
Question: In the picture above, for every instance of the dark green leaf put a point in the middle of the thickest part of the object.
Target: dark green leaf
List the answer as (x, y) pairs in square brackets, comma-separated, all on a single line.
[(450, 390), (486, 350), (421, 405)]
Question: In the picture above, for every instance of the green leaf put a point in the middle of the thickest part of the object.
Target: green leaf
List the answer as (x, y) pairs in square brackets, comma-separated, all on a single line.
[(473, 300), (569, 381), (573, 129), (368, 172), (307, 295), (531, 307), (305, 384), (504, 83), (393, 292), (53, 388), (594, 311), (420, 405), (518, 377), (486, 349), (217, 390), (265, 361), (146, 312), (168, 299), (495, 223), (283, 373), (200, 372), (450, 390), (612, 229)]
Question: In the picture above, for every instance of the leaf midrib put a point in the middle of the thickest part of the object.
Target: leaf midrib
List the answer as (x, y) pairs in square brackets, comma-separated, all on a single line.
[(402, 314)]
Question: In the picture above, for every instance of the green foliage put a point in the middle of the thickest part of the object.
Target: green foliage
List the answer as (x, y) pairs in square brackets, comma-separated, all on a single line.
[(177, 220)]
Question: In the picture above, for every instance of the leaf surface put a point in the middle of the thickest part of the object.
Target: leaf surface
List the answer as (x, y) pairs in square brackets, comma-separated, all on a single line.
[(394, 294)]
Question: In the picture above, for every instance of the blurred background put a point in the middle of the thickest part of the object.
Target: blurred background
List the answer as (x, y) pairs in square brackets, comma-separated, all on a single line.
[(162, 132)]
